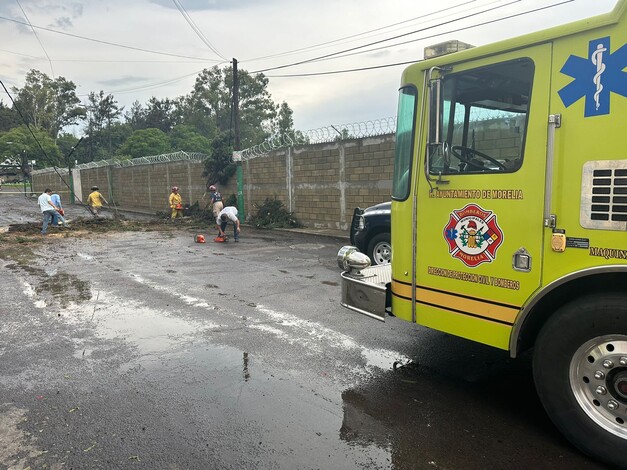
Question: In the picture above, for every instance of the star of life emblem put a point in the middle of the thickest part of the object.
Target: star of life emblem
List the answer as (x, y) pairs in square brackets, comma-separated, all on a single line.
[(473, 235), (595, 77)]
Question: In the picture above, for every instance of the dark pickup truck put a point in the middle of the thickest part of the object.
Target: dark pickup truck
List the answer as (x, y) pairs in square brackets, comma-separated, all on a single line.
[(370, 232)]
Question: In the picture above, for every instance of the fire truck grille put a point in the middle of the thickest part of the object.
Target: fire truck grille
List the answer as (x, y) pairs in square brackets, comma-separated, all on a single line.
[(604, 195)]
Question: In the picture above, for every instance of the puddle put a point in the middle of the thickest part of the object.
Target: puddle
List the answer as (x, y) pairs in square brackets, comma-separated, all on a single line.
[(382, 358), (310, 334), (64, 288), (48, 286), (307, 246), (151, 331)]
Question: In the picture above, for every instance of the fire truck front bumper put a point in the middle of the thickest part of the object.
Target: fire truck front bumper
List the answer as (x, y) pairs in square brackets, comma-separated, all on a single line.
[(365, 289)]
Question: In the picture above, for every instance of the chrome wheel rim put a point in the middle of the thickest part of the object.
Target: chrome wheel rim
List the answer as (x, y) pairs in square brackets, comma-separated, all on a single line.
[(382, 253), (598, 379)]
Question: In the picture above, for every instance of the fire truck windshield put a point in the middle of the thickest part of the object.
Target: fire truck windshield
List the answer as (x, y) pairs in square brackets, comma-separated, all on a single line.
[(484, 116)]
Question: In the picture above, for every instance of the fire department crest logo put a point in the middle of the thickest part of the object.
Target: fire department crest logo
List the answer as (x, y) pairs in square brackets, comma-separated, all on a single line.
[(473, 235)]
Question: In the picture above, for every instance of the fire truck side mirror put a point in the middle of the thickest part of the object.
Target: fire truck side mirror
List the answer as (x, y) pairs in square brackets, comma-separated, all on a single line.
[(435, 116)]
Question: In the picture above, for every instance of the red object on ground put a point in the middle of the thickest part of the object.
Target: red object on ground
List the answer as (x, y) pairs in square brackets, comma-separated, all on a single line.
[(219, 240), (199, 239)]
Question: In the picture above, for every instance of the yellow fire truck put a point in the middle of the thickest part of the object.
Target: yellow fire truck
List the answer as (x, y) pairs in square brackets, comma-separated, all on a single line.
[(509, 214)]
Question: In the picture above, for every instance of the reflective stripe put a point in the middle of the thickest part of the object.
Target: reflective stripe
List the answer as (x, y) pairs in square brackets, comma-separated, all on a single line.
[(457, 303)]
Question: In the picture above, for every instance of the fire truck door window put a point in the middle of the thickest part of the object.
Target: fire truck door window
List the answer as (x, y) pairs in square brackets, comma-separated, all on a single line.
[(484, 119), (405, 127)]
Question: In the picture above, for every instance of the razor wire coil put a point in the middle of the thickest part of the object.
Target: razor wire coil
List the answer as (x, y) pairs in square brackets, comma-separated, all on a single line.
[(127, 162), (327, 134)]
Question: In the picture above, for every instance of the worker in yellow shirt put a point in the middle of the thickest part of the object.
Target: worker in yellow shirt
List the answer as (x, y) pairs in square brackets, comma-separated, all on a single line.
[(95, 201), (176, 203)]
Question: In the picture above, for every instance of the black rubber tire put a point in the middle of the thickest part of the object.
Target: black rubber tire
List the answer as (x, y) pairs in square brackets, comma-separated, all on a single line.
[(377, 239), (563, 334)]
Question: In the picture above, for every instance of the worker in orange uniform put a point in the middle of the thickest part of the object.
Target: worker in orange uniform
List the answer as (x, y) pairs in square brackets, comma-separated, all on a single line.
[(176, 203)]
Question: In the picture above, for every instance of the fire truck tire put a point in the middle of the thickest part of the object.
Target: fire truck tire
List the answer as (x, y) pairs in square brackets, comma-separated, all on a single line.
[(580, 372), (380, 249)]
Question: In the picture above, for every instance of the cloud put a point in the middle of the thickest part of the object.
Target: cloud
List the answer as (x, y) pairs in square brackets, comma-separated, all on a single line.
[(123, 81), (63, 23), (199, 5)]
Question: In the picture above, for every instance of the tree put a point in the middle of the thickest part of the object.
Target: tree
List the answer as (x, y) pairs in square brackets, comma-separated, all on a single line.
[(19, 144), (136, 116), (219, 167), (209, 106), (188, 139), (9, 118), (146, 142), (48, 104), (102, 112), (160, 114), (257, 110), (66, 143), (284, 122)]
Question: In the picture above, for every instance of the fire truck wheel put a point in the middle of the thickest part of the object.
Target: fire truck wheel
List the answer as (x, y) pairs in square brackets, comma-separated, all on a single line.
[(580, 372), (380, 249)]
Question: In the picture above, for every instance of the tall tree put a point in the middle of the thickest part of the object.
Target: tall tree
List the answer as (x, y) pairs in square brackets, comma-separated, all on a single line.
[(102, 112), (219, 167), (161, 114), (284, 123), (48, 104), (188, 139), (136, 116), (146, 142), (210, 103), (9, 118)]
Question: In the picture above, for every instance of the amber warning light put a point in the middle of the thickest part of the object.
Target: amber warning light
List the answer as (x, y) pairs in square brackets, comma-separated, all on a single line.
[(444, 48)]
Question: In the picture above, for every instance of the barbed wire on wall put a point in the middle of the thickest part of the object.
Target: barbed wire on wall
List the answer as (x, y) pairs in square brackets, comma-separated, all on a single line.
[(332, 133), (149, 160)]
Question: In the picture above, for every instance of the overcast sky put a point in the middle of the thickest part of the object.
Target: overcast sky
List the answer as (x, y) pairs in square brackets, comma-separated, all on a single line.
[(260, 34)]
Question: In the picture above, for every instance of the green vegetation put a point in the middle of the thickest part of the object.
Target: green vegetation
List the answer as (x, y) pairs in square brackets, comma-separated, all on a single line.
[(200, 121), (272, 214)]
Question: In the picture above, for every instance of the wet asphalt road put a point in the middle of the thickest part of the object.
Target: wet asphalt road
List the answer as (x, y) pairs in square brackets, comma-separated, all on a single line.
[(146, 350)]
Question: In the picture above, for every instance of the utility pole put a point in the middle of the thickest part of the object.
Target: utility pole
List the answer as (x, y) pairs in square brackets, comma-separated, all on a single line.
[(68, 160), (237, 147)]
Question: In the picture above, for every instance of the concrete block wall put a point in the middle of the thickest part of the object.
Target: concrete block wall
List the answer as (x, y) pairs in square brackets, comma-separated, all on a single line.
[(320, 183), (323, 183), (53, 181)]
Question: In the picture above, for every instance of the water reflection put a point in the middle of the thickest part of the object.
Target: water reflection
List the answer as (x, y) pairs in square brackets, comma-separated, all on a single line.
[(428, 419), (246, 373)]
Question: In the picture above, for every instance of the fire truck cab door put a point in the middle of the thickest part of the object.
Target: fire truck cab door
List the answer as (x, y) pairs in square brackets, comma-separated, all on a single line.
[(480, 218)]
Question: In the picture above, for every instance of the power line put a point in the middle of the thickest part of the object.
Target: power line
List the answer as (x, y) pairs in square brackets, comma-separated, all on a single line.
[(37, 36), (333, 72), (108, 42), (382, 40), (414, 40), (23, 55), (196, 29), (150, 86), (314, 46), (463, 28)]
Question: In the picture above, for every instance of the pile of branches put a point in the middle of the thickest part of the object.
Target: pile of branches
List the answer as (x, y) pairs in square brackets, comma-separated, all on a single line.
[(272, 214)]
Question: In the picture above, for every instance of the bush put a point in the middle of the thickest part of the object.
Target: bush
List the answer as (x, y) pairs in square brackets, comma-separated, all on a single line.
[(272, 214), (230, 201)]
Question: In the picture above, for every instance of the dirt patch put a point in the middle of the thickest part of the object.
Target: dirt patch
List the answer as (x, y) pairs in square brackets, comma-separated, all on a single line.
[(18, 242)]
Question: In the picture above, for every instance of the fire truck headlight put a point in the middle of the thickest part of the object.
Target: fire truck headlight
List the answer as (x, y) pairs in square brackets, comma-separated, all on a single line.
[(349, 257)]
